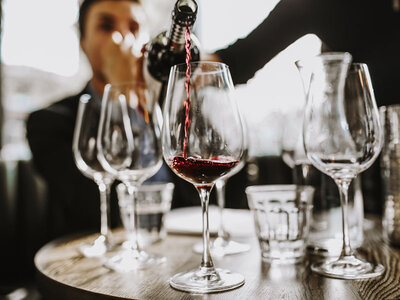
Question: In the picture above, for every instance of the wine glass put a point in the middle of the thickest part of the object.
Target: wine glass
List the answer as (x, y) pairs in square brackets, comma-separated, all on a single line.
[(325, 232), (129, 147), (223, 244), (342, 138), (85, 156), (202, 140)]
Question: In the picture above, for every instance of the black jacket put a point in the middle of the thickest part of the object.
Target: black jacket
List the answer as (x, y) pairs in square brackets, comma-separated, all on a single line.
[(73, 199), (369, 30)]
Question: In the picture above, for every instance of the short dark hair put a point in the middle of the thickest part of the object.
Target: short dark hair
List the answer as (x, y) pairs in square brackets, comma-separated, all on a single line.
[(83, 11)]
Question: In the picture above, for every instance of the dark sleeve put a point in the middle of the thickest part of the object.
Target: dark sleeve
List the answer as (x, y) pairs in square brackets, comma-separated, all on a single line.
[(49, 133), (73, 203), (287, 22)]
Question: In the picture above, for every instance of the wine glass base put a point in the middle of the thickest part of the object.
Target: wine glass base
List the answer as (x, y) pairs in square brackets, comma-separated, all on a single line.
[(348, 268), (329, 247), (98, 248), (130, 260), (221, 247), (197, 281)]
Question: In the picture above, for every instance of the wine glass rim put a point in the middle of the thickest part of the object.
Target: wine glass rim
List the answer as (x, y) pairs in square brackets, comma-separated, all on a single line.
[(178, 67), (85, 98), (331, 56), (358, 66)]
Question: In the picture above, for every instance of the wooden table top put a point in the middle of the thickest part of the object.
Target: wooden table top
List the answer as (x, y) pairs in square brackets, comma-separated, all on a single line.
[(64, 274)]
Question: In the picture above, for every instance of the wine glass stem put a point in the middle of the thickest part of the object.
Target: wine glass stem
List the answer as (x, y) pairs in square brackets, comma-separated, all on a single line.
[(133, 219), (105, 224), (204, 193), (220, 185), (343, 185)]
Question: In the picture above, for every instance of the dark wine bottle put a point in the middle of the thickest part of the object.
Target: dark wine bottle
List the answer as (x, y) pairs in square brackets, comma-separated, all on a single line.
[(168, 47)]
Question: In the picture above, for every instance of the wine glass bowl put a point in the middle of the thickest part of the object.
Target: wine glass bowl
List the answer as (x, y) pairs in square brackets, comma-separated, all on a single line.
[(202, 141), (130, 132), (85, 157), (353, 148), (129, 147), (342, 137)]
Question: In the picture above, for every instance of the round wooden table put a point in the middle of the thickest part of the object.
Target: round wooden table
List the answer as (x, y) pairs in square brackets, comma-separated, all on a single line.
[(62, 273)]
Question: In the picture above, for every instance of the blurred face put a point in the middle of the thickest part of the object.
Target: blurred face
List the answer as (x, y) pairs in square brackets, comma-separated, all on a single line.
[(105, 18)]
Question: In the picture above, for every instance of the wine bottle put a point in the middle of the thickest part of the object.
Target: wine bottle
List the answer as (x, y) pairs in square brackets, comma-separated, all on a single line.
[(168, 47)]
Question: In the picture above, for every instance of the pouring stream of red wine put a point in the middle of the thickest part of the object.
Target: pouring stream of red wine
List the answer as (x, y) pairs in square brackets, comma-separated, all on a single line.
[(196, 169), (187, 85)]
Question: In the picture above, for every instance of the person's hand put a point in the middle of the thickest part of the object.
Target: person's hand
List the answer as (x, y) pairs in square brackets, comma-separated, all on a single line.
[(122, 59)]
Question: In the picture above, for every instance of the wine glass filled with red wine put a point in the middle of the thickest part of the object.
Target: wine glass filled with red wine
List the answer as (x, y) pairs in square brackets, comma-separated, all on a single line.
[(202, 141)]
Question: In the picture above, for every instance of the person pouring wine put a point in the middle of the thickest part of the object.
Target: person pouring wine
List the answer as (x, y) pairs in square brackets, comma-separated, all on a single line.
[(112, 34)]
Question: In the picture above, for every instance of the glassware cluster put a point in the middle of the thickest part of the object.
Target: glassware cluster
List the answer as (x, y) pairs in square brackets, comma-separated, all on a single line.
[(204, 141)]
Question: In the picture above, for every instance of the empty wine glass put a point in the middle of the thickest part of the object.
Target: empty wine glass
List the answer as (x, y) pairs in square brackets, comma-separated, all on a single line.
[(129, 147), (85, 156), (342, 138), (202, 141), (223, 244), (325, 231)]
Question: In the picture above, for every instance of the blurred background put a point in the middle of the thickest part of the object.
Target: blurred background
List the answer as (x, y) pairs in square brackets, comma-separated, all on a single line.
[(41, 62)]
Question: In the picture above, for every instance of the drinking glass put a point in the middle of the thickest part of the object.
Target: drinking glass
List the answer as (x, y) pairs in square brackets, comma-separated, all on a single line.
[(129, 147), (85, 156), (326, 233), (282, 216), (223, 244), (342, 137), (153, 202), (202, 140)]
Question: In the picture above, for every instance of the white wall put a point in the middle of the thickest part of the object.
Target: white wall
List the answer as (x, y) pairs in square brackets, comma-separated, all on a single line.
[(276, 89)]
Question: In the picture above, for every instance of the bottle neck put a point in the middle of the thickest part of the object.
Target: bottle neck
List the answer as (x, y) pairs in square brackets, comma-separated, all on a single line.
[(176, 35)]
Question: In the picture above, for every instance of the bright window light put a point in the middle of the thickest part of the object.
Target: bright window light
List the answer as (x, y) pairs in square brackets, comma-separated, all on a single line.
[(41, 34), (276, 90)]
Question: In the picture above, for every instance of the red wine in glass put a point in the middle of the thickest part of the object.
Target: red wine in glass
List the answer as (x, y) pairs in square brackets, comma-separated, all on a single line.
[(202, 171), (212, 152)]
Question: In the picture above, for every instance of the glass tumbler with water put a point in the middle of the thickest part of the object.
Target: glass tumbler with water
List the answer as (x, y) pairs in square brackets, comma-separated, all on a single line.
[(153, 202), (282, 215)]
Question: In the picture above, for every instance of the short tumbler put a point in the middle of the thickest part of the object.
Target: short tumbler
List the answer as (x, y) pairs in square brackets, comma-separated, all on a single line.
[(153, 201), (282, 215)]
